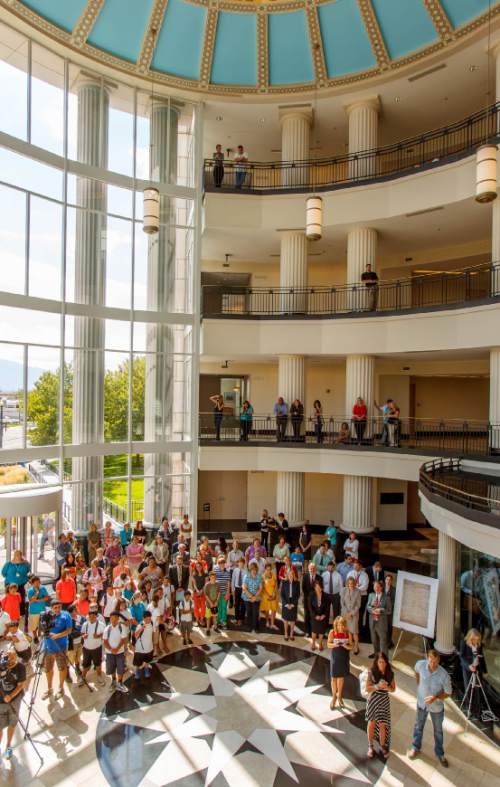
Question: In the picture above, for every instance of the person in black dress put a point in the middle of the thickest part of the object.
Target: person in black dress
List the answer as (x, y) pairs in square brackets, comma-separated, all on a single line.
[(290, 594), (318, 610), (378, 708), (305, 544), (218, 403), (340, 643), (472, 662)]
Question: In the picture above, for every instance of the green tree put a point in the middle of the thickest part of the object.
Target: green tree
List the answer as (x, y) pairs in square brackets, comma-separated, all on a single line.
[(43, 407), (116, 384)]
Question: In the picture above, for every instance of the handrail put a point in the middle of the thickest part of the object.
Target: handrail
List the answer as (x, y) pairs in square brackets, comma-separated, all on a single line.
[(413, 293), (432, 148), (462, 497)]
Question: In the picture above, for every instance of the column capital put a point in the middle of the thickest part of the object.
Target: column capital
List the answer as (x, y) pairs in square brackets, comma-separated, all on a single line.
[(372, 102), (88, 79), (287, 111), (163, 102)]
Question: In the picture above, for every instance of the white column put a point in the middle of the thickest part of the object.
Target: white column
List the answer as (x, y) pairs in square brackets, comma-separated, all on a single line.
[(290, 486), (357, 512), (159, 377), (495, 225), (296, 124), (293, 271), (363, 135), (446, 595), (90, 285), (494, 413), (361, 251)]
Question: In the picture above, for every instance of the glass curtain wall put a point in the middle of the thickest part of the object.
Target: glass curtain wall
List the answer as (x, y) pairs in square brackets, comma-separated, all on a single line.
[(98, 327)]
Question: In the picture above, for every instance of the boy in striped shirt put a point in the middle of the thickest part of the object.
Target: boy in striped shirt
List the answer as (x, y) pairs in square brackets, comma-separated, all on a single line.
[(223, 576)]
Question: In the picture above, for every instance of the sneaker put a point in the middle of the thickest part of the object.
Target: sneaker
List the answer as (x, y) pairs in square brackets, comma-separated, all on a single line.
[(190, 640), (114, 685), (122, 688), (413, 754), (444, 762), (8, 752), (47, 695), (147, 672), (217, 629), (79, 682), (209, 632), (60, 694), (137, 674), (101, 680)]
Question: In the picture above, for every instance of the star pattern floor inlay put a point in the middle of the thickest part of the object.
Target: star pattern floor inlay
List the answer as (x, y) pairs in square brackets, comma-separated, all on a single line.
[(236, 712)]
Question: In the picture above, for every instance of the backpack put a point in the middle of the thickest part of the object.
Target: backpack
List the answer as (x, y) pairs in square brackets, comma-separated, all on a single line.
[(363, 680)]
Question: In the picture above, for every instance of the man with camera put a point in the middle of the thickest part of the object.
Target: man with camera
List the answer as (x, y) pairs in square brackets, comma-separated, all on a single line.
[(57, 625), (12, 683)]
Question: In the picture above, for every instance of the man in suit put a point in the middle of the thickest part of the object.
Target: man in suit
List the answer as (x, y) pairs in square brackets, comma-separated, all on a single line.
[(375, 574), (379, 608), (307, 585), (179, 577), (390, 592)]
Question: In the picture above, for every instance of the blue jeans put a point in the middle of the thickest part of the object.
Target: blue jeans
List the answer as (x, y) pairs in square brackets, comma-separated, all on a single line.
[(437, 723), (240, 178)]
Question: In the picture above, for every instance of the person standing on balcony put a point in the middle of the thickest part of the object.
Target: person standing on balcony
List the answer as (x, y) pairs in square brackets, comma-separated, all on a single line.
[(218, 158), (297, 416), (358, 418), (370, 280), (246, 416), (318, 420), (281, 415), (218, 403), (240, 166), (386, 410)]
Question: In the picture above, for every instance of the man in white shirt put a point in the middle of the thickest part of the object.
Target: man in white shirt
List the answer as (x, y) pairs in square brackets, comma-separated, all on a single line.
[(351, 546), (234, 556), (237, 589), (92, 634), (144, 647), (240, 166), (332, 588), (115, 639), (186, 529)]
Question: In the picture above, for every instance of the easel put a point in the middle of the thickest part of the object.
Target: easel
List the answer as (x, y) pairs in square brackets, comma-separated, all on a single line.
[(399, 640)]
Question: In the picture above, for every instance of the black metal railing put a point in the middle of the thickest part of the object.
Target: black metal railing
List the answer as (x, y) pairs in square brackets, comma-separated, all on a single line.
[(448, 479), (468, 438), (415, 293), (431, 149)]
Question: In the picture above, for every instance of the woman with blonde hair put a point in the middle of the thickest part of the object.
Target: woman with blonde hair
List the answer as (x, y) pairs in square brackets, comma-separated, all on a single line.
[(350, 603), (340, 643), (473, 663), (269, 597)]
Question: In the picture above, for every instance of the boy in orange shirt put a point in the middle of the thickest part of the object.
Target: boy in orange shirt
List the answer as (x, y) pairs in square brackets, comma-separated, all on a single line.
[(11, 602)]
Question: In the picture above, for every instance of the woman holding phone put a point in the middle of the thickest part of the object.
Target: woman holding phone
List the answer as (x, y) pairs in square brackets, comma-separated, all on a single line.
[(379, 684)]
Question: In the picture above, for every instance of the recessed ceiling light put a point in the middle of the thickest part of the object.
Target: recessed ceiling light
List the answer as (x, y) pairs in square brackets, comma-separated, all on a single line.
[(262, 120), (397, 99), (472, 67), (219, 118)]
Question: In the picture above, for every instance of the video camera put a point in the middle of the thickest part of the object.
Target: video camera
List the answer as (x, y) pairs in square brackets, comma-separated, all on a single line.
[(8, 681), (4, 664), (47, 619)]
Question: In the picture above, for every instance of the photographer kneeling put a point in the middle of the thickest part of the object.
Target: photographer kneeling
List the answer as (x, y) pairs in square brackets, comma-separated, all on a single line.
[(12, 683), (56, 625)]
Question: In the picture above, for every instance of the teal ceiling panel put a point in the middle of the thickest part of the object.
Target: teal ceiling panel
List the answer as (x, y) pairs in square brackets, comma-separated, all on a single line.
[(405, 24), (180, 42), (345, 41), (461, 11), (64, 13), (235, 52), (290, 58), (120, 27)]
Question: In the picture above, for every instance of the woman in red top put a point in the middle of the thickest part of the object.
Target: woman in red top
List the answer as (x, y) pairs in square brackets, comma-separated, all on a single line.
[(11, 602), (66, 589), (359, 416)]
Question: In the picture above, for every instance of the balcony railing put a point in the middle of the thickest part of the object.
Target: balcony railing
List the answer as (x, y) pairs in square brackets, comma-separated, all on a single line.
[(448, 480), (431, 149), (466, 438), (415, 293)]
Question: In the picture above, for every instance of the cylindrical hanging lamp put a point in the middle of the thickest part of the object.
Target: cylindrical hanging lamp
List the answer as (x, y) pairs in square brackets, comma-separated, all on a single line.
[(486, 173), (151, 203), (314, 218)]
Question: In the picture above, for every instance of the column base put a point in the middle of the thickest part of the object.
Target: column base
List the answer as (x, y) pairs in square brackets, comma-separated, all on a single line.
[(360, 531), (444, 650)]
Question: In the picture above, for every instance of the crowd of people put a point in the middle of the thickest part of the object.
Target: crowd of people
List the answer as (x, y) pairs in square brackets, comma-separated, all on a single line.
[(121, 593)]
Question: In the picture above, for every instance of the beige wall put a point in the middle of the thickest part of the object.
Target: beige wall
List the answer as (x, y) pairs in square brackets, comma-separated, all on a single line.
[(392, 517), (445, 397), (415, 516), (261, 493), (225, 491), (397, 387), (320, 270), (323, 497)]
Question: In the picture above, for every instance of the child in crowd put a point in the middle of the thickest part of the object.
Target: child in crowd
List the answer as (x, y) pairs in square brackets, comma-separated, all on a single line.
[(159, 632), (19, 641), (212, 593), (186, 607), (144, 648), (11, 602), (38, 596), (108, 603), (297, 558)]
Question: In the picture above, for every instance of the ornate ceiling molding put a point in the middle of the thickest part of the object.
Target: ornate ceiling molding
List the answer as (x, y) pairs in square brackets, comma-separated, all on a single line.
[(209, 43), (151, 36), (375, 34), (86, 22), (440, 20), (316, 43), (262, 52)]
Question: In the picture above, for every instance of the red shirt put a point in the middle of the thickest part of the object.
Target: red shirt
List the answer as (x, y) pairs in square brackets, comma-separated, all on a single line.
[(11, 603), (66, 591), (360, 410)]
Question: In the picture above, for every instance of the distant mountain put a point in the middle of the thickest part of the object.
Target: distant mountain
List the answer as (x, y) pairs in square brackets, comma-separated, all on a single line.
[(11, 376)]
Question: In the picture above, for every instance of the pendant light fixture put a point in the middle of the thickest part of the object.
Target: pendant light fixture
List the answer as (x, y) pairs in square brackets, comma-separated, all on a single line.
[(314, 204), (486, 154), (151, 194)]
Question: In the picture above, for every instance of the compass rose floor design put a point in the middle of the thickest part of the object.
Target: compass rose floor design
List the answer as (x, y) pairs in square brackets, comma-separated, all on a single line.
[(235, 713)]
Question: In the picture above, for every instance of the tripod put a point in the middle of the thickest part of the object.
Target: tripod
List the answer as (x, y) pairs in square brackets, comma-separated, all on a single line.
[(475, 683)]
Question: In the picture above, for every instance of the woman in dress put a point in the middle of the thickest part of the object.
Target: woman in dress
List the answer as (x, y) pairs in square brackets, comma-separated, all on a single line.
[(318, 420), (318, 610), (93, 541), (135, 554), (197, 584), (290, 594), (269, 597), (378, 708), (305, 544), (350, 603), (218, 403), (340, 643)]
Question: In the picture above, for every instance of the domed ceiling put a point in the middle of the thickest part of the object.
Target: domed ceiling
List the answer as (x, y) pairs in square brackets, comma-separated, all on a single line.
[(250, 47)]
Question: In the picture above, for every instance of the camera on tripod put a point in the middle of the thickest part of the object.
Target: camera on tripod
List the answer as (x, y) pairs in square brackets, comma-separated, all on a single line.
[(47, 619)]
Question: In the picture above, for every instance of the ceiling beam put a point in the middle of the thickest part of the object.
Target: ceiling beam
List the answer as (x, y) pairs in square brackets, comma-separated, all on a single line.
[(374, 34), (87, 20), (316, 43), (151, 36), (209, 43), (262, 52), (440, 20)]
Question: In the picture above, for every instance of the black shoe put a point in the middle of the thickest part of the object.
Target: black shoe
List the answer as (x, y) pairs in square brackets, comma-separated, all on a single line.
[(444, 762)]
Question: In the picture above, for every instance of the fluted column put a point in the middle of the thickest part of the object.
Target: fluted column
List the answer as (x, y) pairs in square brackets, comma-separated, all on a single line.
[(159, 377), (90, 282), (293, 271), (495, 224), (363, 135), (446, 594), (357, 497), (361, 251), (291, 377), (290, 486), (494, 414), (295, 135)]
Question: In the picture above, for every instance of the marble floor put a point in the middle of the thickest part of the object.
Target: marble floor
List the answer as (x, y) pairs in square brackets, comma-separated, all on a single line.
[(239, 710)]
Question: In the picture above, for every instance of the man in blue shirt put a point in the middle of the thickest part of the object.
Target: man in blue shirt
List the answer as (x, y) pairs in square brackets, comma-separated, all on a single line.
[(37, 598), (281, 415), (56, 646), (433, 687)]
